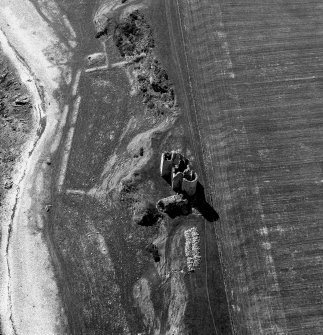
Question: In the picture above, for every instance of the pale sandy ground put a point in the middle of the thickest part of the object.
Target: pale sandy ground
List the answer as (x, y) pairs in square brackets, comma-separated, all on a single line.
[(106, 7), (29, 296)]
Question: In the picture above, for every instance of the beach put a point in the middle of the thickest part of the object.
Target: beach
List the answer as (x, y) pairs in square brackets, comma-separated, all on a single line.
[(30, 303)]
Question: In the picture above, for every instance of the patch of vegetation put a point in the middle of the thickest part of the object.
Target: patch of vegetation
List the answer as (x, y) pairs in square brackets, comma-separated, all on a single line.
[(174, 205), (152, 248), (155, 86), (134, 39), (146, 214), (15, 121), (133, 35)]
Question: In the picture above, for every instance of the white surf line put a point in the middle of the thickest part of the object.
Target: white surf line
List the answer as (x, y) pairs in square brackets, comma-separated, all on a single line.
[(28, 80), (68, 144), (36, 306), (76, 82)]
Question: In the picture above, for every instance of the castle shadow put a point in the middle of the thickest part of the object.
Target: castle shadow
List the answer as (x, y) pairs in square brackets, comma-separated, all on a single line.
[(167, 179), (199, 202)]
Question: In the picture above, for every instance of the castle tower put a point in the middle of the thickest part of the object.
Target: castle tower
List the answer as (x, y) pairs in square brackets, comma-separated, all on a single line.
[(166, 164), (178, 174), (175, 166), (189, 182), (177, 178)]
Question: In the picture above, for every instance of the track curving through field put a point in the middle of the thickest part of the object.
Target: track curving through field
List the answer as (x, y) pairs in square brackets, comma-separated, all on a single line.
[(195, 134), (255, 95)]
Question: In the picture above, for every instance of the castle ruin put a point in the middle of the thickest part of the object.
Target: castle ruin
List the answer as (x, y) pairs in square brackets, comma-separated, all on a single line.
[(176, 167)]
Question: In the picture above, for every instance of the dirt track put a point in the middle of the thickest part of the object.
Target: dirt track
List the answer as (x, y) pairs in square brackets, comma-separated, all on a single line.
[(255, 76), (177, 34)]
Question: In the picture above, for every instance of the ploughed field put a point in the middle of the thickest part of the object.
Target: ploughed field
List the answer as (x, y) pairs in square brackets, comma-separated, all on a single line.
[(256, 103)]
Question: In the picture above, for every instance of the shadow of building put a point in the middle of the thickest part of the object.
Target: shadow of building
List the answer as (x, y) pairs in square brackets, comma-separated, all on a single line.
[(200, 203)]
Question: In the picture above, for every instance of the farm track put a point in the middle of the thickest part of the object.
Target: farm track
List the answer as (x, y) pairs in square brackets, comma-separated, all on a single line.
[(195, 134), (256, 81)]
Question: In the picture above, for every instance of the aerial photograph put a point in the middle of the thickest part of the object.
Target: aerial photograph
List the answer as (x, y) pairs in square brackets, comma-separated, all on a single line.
[(161, 167)]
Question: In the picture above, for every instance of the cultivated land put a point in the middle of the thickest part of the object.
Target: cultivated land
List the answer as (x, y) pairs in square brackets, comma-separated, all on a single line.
[(255, 75), (235, 87)]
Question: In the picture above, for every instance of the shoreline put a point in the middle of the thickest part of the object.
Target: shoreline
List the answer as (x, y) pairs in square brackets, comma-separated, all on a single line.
[(10, 200), (27, 275)]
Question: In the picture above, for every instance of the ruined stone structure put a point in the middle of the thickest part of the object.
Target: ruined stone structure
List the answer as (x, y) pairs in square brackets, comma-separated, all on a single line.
[(189, 182), (175, 166), (166, 164), (174, 205)]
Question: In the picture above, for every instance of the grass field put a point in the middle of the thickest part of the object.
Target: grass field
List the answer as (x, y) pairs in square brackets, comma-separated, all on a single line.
[(99, 253)]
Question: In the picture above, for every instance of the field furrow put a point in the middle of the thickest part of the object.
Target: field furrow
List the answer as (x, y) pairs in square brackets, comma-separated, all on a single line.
[(255, 69)]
